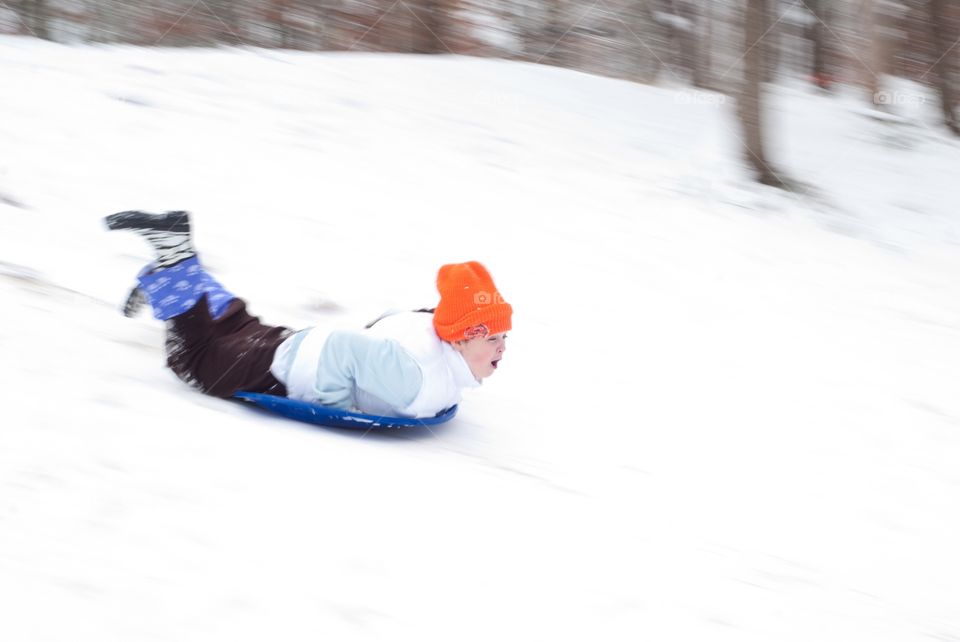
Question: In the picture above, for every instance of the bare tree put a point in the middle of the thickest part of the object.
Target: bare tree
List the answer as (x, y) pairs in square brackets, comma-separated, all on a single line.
[(554, 26), (884, 19), (941, 66), (35, 15), (749, 101), (636, 39), (879, 51), (770, 43), (679, 19), (817, 33), (428, 25), (703, 37), (226, 15)]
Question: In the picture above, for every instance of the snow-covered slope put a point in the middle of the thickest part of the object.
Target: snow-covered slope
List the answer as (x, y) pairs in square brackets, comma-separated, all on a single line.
[(725, 413)]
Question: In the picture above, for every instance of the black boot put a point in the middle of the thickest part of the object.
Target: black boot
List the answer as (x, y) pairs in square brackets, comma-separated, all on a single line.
[(167, 233)]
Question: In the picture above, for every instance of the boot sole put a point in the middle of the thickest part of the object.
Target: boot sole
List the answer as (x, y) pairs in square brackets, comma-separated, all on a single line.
[(177, 222)]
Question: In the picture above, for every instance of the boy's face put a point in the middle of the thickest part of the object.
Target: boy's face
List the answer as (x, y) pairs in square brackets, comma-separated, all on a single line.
[(483, 354)]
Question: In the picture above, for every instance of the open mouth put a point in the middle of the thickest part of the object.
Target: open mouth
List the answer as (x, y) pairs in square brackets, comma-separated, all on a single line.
[(495, 364)]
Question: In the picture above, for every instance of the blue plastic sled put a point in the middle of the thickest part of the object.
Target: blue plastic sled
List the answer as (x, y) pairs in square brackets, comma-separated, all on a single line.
[(313, 413)]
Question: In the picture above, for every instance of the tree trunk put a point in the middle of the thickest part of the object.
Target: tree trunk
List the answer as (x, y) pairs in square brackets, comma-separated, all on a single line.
[(555, 52), (817, 34), (879, 26), (655, 48), (35, 15), (941, 68), (321, 14), (684, 37), (770, 43), (749, 107), (226, 22), (701, 62), (428, 17)]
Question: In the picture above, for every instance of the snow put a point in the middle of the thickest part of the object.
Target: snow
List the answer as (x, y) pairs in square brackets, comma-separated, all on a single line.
[(490, 29), (799, 15), (725, 413), (678, 22)]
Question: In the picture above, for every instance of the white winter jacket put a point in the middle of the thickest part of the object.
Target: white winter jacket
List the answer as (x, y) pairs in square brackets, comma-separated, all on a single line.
[(399, 367)]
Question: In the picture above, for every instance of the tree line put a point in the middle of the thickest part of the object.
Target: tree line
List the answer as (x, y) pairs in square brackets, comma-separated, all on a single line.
[(730, 46)]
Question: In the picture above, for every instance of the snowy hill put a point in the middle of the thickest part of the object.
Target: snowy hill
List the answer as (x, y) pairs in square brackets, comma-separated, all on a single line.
[(725, 413)]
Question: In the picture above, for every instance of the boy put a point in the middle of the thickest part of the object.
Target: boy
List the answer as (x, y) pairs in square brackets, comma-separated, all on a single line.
[(406, 364)]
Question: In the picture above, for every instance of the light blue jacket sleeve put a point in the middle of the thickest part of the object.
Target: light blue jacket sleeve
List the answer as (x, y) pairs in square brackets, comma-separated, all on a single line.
[(377, 366)]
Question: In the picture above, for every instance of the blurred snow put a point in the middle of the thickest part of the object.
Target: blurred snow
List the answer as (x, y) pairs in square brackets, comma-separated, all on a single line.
[(725, 412)]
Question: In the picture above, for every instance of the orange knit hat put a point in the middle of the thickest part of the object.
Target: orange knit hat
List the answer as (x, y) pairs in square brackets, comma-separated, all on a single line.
[(470, 305)]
